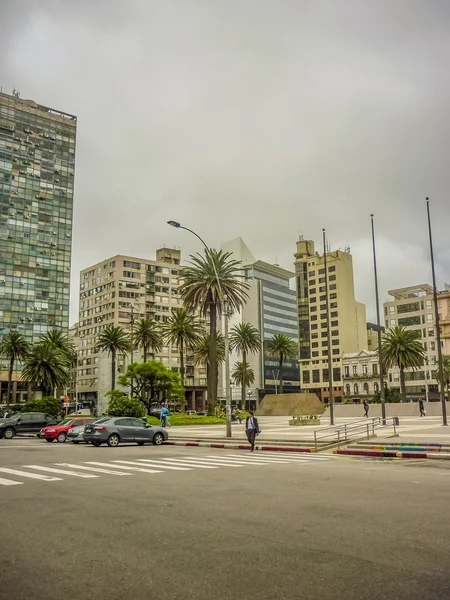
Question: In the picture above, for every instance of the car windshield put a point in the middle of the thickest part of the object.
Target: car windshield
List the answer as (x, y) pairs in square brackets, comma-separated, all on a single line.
[(65, 422)]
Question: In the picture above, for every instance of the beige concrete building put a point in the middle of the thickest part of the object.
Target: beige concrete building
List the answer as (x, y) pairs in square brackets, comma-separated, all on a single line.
[(347, 317), (361, 374), (413, 308), (115, 291)]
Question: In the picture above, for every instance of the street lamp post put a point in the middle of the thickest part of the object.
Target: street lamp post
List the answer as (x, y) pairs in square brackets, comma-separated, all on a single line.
[(224, 303), (132, 347), (377, 300), (438, 327), (327, 304)]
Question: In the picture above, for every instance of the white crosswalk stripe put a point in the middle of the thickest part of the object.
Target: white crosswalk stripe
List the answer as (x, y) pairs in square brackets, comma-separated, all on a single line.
[(160, 465), (94, 469), (127, 468), (176, 462), (224, 462), (29, 475), (298, 455), (250, 460), (9, 482), (60, 471)]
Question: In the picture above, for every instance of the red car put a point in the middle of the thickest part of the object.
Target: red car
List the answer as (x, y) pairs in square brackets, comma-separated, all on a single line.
[(59, 432)]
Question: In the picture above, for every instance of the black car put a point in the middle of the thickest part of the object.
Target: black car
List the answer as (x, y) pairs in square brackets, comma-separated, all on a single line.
[(114, 430), (31, 422)]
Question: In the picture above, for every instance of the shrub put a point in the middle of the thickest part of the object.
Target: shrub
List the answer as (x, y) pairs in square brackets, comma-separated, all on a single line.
[(120, 405), (49, 405)]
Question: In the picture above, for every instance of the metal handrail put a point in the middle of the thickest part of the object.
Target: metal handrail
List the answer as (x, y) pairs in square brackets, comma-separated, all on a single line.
[(343, 433)]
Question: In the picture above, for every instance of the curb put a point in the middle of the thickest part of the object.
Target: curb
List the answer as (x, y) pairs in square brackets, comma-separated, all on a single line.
[(240, 447), (393, 454)]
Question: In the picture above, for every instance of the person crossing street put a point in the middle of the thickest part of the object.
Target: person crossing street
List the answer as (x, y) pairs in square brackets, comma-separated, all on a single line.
[(252, 429)]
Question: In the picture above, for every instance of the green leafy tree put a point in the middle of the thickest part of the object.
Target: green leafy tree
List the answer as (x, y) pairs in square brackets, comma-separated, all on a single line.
[(153, 382), (244, 338), (390, 395), (50, 405), (113, 340), (208, 281), (281, 347), (243, 375), (120, 405), (401, 347), (13, 347), (147, 335), (182, 330), (60, 340), (46, 367)]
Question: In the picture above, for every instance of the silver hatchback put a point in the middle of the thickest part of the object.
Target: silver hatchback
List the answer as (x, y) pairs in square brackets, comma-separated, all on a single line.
[(116, 430)]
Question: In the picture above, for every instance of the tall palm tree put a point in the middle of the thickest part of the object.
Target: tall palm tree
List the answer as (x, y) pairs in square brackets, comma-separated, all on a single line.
[(13, 347), (113, 340), (208, 281), (400, 347), (60, 340), (281, 346), (242, 375), (202, 354), (47, 367), (182, 330), (244, 338), (445, 371), (147, 335)]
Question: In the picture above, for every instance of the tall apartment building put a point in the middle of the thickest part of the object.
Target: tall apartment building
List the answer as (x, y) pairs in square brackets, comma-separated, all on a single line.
[(347, 317), (37, 164), (413, 308), (114, 291), (271, 308)]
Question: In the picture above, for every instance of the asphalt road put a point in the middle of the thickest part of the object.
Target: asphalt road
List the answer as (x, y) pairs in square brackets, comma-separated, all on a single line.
[(310, 528)]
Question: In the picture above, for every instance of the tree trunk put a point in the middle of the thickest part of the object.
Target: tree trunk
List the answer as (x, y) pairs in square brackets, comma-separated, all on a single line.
[(9, 397), (182, 372), (402, 382), (281, 373), (243, 385), (212, 371), (145, 348), (113, 370)]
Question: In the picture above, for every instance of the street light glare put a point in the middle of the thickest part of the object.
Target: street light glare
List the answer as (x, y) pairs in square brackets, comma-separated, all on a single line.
[(174, 223)]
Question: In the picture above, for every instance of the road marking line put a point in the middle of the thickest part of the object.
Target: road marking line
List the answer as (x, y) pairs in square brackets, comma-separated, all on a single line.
[(122, 466), (295, 455), (154, 463), (222, 462), (60, 471), (186, 464), (10, 482), (107, 471), (264, 460), (29, 475)]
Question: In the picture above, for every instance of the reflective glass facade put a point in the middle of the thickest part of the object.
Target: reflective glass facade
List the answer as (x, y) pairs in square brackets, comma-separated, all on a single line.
[(37, 163)]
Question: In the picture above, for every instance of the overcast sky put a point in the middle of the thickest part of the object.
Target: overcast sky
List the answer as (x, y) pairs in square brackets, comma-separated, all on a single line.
[(265, 119)]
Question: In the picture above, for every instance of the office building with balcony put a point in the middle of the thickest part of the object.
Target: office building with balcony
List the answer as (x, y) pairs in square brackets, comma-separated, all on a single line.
[(271, 307), (117, 291), (347, 317), (37, 166)]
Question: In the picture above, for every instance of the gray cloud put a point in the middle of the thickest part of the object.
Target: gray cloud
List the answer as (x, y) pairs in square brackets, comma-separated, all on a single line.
[(262, 119)]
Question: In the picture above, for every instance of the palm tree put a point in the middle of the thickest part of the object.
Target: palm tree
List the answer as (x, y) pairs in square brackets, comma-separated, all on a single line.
[(113, 340), (182, 330), (60, 340), (243, 375), (400, 347), (445, 371), (13, 347), (202, 353), (244, 338), (148, 336), (281, 346), (47, 367), (208, 282)]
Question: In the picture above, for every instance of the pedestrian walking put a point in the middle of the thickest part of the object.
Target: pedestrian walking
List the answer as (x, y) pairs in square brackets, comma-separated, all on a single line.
[(366, 408), (422, 408), (164, 416), (252, 429)]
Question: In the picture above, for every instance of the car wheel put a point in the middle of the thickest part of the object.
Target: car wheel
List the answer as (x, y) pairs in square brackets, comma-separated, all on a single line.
[(62, 437), (9, 433), (50, 441), (158, 439), (113, 440), (140, 443)]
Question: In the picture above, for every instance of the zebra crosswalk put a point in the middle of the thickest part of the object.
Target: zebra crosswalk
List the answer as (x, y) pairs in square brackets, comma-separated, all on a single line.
[(150, 466)]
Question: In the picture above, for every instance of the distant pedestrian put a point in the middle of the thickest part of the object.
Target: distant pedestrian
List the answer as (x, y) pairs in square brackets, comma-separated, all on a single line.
[(366, 408), (164, 416), (251, 429), (422, 408)]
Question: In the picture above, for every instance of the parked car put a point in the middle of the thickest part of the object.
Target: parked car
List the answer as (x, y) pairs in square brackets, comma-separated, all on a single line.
[(31, 422), (115, 430), (75, 434), (191, 412), (203, 413), (59, 431)]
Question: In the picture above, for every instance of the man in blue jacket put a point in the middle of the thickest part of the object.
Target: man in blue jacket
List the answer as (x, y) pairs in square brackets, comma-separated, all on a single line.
[(164, 416), (252, 429)]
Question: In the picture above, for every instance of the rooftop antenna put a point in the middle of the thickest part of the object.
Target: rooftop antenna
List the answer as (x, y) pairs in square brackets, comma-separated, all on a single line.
[(301, 238), (16, 93), (347, 249)]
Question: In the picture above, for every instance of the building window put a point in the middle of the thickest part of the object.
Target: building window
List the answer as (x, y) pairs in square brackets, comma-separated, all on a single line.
[(334, 323), (312, 282), (335, 342), (347, 371), (314, 326), (391, 309), (409, 307), (392, 323), (334, 314), (325, 375), (335, 351), (409, 321), (332, 277), (316, 376), (313, 300), (333, 286), (364, 369), (431, 332), (306, 377), (429, 318), (375, 369), (355, 389), (366, 388), (333, 296), (335, 332), (313, 317), (312, 291), (332, 268), (376, 387), (347, 390), (336, 374), (355, 369)]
